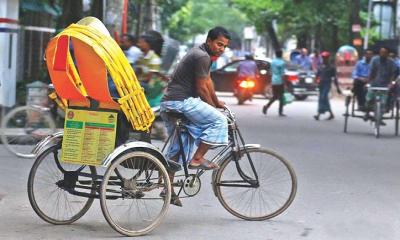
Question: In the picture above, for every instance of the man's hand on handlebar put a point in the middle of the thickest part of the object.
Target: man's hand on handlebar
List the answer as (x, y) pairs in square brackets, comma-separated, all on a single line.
[(221, 104)]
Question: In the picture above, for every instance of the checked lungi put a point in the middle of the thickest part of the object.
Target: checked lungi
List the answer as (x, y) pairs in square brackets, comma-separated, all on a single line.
[(206, 124)]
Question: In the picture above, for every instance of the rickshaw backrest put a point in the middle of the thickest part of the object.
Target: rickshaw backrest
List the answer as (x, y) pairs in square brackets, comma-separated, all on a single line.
[(86, 77), (93, 72), (61, 73), (82, 61)]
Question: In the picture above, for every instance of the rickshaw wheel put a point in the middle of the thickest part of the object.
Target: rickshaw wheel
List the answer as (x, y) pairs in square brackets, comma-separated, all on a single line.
[(135, 193), (50, 187)]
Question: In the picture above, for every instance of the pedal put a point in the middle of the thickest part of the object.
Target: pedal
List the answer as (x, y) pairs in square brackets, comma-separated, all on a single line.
[(174, 166), (212, 147)]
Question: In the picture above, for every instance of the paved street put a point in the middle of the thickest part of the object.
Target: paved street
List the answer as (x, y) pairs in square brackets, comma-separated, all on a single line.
[(348, 186)]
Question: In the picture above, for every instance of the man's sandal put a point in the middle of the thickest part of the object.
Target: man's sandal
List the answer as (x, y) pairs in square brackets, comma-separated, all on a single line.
[(206, 165)]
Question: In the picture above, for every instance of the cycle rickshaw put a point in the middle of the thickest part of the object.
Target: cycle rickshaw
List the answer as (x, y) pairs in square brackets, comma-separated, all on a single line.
[(385, 107), (135, 189)]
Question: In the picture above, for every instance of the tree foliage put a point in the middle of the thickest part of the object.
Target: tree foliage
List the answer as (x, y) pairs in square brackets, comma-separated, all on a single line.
[(327, 22), (196, 17), (139, 13), (168, 9), (72, 11)]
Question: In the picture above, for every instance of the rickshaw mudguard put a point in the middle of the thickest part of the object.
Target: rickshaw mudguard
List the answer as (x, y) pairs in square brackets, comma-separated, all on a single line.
[(47, 141), (214, 174), (135, 146)]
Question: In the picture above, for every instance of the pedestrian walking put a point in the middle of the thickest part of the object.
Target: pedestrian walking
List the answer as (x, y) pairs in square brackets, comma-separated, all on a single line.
[(326, 74), (278, 83)]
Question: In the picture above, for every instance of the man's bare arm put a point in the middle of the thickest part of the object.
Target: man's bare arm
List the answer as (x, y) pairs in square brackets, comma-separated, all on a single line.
[(214, 97), (203, 90), (147, 77)]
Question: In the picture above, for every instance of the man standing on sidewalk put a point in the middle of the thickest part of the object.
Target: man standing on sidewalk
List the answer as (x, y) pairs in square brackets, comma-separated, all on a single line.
[(278, 84)]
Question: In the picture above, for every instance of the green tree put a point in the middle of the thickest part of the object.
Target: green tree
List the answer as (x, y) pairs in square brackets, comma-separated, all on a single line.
[(326, 22), (168, 9), (262, 14), (140, 13), (71, 13), (196, 17)]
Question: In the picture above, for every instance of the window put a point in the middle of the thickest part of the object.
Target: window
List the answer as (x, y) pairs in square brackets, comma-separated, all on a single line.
[(232, 67)]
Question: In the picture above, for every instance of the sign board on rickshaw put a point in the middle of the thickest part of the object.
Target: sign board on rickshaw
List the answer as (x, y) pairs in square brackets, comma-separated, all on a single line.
[(346, 58), (89, 136)]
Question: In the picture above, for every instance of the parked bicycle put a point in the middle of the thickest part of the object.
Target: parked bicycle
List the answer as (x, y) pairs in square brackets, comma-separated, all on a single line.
[(252, 183), (25, 126)]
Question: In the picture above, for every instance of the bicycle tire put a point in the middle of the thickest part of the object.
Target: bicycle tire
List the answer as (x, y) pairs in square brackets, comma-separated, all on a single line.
[(346, 114), (378, 119), (396, 124), (232, 208), (46, 176), (19, 135), (134, 193)]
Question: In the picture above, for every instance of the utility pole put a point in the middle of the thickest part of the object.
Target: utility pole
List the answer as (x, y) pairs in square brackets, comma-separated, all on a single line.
[(397, 25), (368, 24), (113, 16), (138, 18), (97, 9), (355, 26), (149, 16)]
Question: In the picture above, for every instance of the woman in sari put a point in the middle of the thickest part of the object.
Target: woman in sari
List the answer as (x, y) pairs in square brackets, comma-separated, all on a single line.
[(326, 74)]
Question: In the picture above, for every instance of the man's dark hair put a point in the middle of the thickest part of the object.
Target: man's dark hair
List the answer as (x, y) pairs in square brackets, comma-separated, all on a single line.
[(278, 53), (249, 56), (386, 48), (131, 38), (218, 31), (155, 40)]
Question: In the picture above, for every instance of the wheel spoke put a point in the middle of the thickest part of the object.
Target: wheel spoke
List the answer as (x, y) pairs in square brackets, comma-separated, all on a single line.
[(138, 208), (49, 200), (276, 190), (24, 127)]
